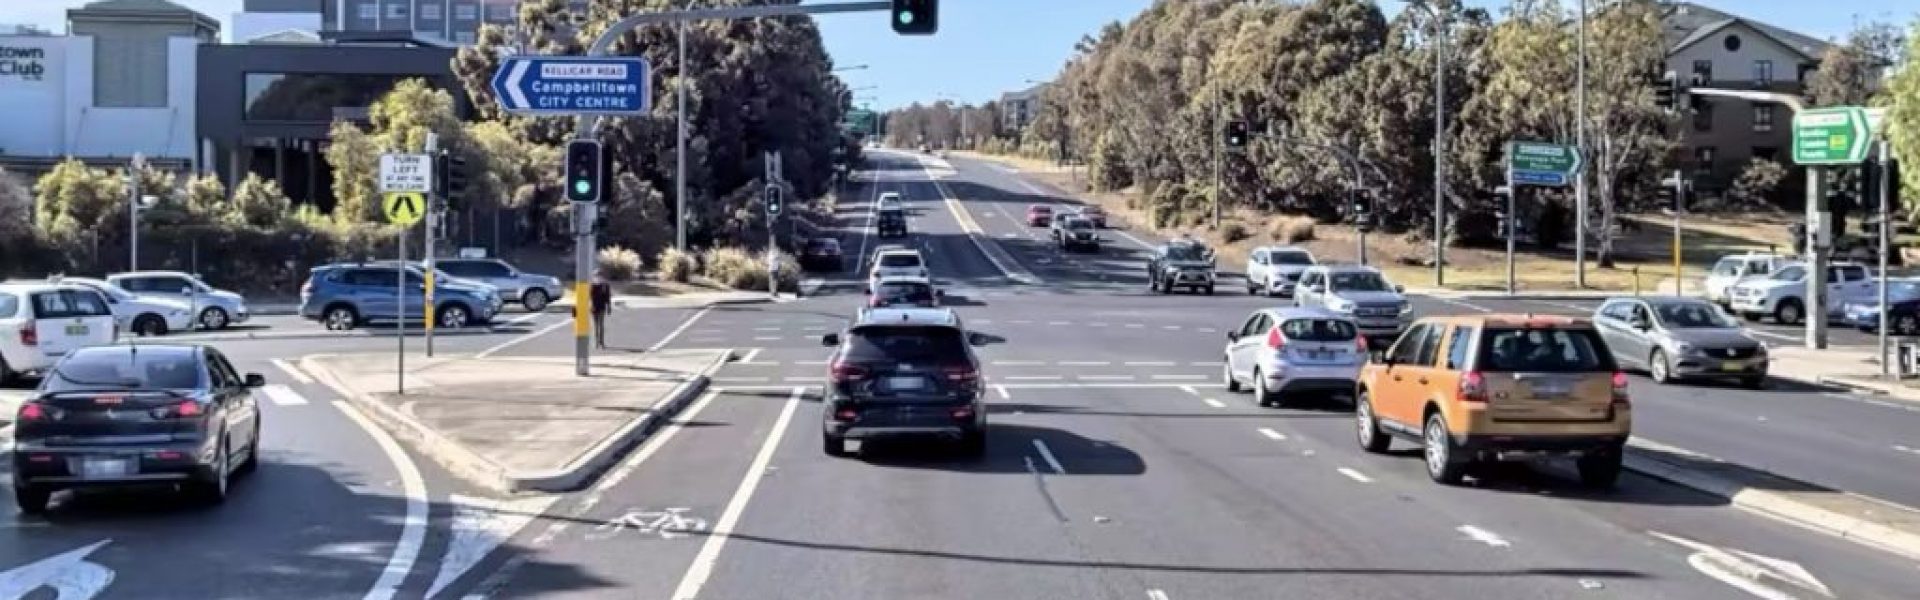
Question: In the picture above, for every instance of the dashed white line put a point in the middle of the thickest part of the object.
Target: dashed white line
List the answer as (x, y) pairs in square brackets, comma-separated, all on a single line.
[(1214, 403), (1096, 324), (1019, 363), (1022, 322), (1902, 448), (1272, 435), (1107, 377), (1002, 390), (1150, 363), (1170, 327), (1206, 363), (1180, 377), (1207, 330), (983, 322), (1465, 304), (1033, 378), (748, 357), (810, 363), (1772, 335), (292, 371), (1058, 323), (1355, 475), (1483, 536), (767, 338), (702, 567), (1136, 326), (1084, 363), (766, 329), (1047, 455), (1156, 595)]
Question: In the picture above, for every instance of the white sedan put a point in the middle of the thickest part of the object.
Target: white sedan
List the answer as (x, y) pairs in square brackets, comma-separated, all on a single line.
[(141, 315)]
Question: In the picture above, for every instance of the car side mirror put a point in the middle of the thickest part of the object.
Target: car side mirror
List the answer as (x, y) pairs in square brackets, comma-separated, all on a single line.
[(1317, 288), (978, 339), (830, 340), (1640, 324), (1399, 289), (186, 291), (1233, 336), (255, 380)]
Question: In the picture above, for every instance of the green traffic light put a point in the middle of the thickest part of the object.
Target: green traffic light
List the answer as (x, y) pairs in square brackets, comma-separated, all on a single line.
[(582, 187), (906, 17)]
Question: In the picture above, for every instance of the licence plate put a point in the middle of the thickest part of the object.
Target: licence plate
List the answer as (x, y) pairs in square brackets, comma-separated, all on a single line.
[(76, 329), (1319, 355), (905, 383), (1553, 389), (105, 468), (1731, 366)]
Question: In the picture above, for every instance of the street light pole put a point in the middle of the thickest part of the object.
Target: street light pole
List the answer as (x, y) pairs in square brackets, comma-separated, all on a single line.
[(680, 147), (1580, 176), (138, 164)]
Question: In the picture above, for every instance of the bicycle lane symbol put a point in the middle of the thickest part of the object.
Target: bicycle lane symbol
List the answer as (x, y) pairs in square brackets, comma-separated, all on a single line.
[(668, 523)]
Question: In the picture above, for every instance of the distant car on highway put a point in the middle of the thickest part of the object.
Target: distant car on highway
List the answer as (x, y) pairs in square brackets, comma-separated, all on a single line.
[(890, 223), (822, 254), (139, 315), (1094, 214), (1076, 233), (530, 290), (904, 292), (1781, 294), (214, 308), (889, 201), (1378, 307), (1481, 388), (1903, 309), (1284, 352), (136, 416), (895, 261), (1274, 270), (1183, 263), (345, 296), (1734, 268), (40, 322), (904, 372), (1039, 215), (1680, 338)]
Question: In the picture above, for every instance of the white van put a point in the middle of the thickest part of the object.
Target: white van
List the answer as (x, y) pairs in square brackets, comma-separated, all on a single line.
[(41, 322)]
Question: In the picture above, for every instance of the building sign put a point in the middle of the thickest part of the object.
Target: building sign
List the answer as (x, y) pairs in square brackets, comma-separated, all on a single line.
[(24, 63)]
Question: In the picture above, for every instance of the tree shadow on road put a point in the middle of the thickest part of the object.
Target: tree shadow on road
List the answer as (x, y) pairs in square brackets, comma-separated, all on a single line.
[(1011, 448)]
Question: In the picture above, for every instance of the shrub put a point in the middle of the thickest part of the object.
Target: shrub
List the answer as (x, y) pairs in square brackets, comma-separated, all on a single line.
[(1291, 230), (1234, 231), (677, 266), (619, 264), (733, 267)]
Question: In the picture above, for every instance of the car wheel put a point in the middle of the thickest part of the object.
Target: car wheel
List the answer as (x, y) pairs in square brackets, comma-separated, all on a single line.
[(214, 318), (1906, 325), (1209, 289), (1789, 312), (1265, 397), (213, 490), (149, 325), (1601, 469), (454, 316), (1751, 317), (834, 446), (1658, 369), (973, 444), (1754, 382), (252, 461), (535, 300), (1371, 438), (32, 499), (1226, 376), (1443, 463), (341, 318)]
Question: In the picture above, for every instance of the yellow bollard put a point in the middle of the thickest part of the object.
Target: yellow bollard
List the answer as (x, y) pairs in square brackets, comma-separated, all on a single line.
[(582, 310)]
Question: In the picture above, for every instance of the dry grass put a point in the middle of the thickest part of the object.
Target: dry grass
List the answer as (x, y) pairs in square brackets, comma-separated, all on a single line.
[(619, 264), (677, 266), (1291, 230), (735, 268)]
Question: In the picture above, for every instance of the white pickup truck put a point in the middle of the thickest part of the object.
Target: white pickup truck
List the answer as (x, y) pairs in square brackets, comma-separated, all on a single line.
[(1734, 268)]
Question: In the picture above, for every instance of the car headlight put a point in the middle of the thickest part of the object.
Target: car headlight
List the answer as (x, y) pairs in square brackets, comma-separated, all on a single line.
[(1684, 348), (1406, 309), (1340, 305)]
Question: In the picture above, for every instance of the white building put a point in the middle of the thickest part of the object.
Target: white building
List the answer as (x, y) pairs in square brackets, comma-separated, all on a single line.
[(122, 81)]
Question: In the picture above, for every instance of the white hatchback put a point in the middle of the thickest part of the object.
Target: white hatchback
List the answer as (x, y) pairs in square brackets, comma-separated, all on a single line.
[(42, 322), (1285, 352)]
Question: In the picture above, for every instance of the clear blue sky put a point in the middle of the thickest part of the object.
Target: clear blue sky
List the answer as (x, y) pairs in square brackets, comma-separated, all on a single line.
[(986, 47)]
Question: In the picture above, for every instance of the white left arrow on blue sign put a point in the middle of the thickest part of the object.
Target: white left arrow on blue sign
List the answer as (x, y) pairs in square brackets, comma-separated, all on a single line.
[(68, 574)]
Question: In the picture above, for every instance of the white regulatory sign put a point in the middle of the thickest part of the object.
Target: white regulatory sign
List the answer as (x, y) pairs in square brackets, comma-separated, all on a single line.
[(406, 173)]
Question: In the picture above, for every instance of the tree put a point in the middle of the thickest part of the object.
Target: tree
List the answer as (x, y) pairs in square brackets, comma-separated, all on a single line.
[(355, 159), (73, 198), (1903, 121), (16, 209), (1756, 183), (207, 201), (260, 203)]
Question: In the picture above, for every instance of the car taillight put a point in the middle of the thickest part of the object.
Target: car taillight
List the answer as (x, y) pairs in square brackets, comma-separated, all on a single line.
[(962, 373), (32, 411), (1473, 387), (846, 414), (183, 409), (1360, 344), (842, 372), (1620, 388), (29, 334), (1274, 340), (960, 413)]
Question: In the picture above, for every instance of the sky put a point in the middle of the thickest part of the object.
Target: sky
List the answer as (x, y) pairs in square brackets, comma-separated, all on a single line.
[(986, 47)]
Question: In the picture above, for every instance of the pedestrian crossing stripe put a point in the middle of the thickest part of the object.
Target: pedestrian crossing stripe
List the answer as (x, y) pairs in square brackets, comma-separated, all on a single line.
[(404, 208)]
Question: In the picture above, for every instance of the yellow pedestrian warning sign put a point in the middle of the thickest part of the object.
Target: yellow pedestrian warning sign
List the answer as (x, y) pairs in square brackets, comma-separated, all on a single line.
[(405, 208)]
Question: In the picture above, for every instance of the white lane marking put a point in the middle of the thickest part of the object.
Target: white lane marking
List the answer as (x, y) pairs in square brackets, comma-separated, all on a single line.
[(1135, 240), (1207, 330), (1483, 536), (1047, 455), (479, 526), (767, 338), (766, 329), (810, 363), (1136, 326), (983, 322), (1572, 307), (1180, 377), (1355, 475), (1106, 377), (523, 319), (653, 445), (749, 356), (1272, 435), (1156, 595), (676, 331), (1214, 403), (1038, 385), (523, 338), (1150, 363), (702, 567), (978, 235), (1097, 324), (1747, 571), (1022, 322), (1033, 378), (1003, 392), (741, 379), (1772, 335), (1189, 389), (1170, 327), (413, 529), (1902, 448), (1019, 363), (292, 371), (1462, 303), (283, 395), (1206, 363), (69, 574), (866, 228), (1058, 323), (1084, 363)]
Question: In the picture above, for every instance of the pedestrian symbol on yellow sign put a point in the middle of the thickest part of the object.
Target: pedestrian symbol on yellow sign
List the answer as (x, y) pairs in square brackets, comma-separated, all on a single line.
[(405, 208)]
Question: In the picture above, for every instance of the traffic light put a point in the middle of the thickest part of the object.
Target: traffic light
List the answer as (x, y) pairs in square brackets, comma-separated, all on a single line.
[(1237, 134), (916, 17), (776, 199), (584, 176), (454, 178), (1664, 89)]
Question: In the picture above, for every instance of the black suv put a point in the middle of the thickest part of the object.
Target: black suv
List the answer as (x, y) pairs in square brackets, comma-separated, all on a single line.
[(1181, 263), (136, 416), (1076, 233), (891, 223), (904, 372)]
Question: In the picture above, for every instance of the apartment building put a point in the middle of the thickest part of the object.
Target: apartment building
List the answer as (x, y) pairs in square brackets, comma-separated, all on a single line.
[(447, 21), (1729, 51)]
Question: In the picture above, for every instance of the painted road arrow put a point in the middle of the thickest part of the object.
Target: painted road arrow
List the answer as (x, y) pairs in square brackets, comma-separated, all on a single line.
[(574, 85), (1752, 573), (68, 574)]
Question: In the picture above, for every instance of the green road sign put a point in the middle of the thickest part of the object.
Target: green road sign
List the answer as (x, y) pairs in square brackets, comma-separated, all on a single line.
[(1537, 163), (862, 121), (1831, 136)]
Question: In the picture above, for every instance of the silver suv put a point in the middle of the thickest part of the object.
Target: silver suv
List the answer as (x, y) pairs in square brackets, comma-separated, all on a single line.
[(1360, 292), (530, 290), (212, 308)]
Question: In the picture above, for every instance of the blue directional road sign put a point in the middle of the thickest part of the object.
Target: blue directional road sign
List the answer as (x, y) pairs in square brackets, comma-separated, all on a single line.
[(573, 85)]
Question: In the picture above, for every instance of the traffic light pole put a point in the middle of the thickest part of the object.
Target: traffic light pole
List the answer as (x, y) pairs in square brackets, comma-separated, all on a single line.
[(1884, 171), (1679, 204), (1815, 311), (1219, 155), (433, 220)]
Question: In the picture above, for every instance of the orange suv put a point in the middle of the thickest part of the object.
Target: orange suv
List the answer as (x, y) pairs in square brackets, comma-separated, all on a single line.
[(1491, 387)]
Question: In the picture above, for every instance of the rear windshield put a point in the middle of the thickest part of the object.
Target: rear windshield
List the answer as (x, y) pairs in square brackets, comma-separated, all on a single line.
[(9, 304), (905, 292), (899, 260), (1292, 257), (1186, 252), (68, 304), (1318, 330), (1543, 351), (894, 343), (117, 369)]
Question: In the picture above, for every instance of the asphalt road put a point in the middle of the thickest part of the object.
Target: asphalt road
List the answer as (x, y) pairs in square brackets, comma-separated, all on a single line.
[(1116, 468)]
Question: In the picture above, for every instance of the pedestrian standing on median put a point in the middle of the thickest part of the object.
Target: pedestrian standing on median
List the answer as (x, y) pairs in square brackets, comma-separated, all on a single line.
[(602, 298)]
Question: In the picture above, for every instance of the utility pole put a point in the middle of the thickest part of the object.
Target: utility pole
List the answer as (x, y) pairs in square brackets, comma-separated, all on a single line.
[(1818, 225), (1883, 170), (680, 148), (138, 164), (434, 216), (1679, 207), (1219, 154), (1580, 177)]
